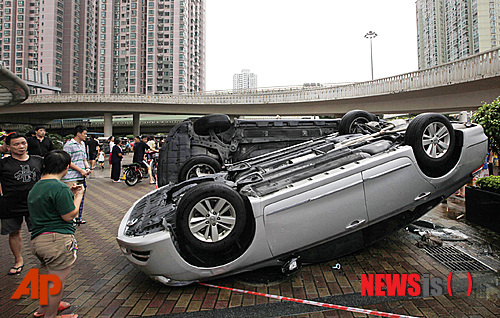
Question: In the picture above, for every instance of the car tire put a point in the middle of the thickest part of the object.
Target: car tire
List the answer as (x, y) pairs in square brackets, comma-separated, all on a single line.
[(348, 123), (199, 166), (211, 217), (131, 177), (218, 122), (433, 140)]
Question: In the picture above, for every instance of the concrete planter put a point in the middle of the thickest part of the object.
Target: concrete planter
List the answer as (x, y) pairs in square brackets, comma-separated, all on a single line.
[(482, 207)]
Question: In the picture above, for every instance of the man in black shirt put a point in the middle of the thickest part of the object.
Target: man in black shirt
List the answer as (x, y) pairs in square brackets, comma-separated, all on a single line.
[(140, 148), (18, 174), (92, 150), (38, 144)]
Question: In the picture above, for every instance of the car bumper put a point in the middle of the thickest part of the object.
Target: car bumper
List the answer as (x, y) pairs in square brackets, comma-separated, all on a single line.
[(156, 255)]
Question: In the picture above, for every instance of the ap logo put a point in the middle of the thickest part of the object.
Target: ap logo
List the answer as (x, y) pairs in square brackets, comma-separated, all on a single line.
[(39, 287)]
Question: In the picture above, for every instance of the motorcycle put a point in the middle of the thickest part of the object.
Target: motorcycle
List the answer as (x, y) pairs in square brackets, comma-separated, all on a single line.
[(135, 172)]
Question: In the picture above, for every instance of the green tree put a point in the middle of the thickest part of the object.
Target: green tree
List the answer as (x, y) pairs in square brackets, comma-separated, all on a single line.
[(488, 116), (57, 140)]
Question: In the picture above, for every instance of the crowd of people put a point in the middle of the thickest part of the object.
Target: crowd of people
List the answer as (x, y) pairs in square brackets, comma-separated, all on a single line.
[(45, 189), (32, 192)]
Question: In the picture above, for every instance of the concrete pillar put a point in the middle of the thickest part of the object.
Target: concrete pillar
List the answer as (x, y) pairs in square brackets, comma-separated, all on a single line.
[(136, 124), (108, 124)]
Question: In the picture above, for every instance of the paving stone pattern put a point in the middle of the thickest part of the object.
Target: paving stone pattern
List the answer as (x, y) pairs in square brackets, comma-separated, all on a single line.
[(103, 284)]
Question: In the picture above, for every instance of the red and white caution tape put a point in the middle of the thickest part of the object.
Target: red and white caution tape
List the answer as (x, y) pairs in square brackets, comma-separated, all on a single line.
[(314, 303)]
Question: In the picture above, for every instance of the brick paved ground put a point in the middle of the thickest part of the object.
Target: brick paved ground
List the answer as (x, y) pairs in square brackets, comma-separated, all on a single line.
[(103, 284)]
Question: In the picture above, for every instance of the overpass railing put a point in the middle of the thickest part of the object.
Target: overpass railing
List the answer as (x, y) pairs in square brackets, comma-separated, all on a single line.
[(479, 66)]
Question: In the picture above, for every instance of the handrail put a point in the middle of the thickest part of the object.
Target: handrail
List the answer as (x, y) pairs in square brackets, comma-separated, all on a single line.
[(479, 66)]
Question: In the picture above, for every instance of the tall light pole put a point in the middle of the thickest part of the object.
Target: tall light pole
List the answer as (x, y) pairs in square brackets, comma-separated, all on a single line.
[(371, 35)]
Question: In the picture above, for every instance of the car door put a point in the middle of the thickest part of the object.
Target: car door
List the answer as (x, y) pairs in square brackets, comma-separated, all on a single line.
[(394, 185), (315, 214)]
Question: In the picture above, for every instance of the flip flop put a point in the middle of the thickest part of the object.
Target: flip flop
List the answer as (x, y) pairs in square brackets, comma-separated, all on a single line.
[(62, 306), (18, 270), (68, 316)]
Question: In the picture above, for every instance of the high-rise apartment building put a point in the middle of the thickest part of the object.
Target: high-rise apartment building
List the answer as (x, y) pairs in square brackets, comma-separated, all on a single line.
[(452, 29), (107, 46), (244, 80)]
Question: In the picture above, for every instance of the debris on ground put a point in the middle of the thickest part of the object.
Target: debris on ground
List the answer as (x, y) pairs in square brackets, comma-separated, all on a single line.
[(337, 266), (422, 228), (487, 250), (424, 223), (429, 240)]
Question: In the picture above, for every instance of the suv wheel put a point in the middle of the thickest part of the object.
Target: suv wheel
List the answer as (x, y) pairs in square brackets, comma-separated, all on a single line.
[(349, 124), (218, 122), (199, 166)]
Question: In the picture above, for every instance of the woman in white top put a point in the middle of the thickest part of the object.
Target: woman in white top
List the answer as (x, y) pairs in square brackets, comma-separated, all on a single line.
[(111, 141)]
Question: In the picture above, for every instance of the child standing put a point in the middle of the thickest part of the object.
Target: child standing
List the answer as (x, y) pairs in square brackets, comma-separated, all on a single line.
[(100, 159)]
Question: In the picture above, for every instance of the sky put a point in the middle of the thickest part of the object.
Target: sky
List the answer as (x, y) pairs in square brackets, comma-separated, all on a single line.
[(292, 42)]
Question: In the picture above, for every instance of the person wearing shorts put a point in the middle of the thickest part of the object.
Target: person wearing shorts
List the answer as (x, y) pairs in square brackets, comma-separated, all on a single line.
[(140, 148), (53, 206), (18, 174), (101, 159), (92, 151)]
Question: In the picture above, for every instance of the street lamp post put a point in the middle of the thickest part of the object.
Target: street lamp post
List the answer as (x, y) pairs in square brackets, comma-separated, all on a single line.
[(371, 35)]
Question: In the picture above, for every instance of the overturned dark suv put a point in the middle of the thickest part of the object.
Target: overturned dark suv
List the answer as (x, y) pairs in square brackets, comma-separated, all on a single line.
[(202, 146)]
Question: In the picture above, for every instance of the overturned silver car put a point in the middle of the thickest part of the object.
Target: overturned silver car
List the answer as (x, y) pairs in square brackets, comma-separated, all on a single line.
[(311, 202)]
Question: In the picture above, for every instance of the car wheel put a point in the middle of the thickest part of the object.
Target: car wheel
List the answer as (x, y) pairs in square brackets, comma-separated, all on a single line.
[(218, 122), (199, 166), (349, 124), (211, 217), (433, 139), (131, 177)]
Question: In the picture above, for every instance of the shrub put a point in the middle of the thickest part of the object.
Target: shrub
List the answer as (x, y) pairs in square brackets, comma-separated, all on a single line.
[(57, 140), (488, 116), (490, 183)]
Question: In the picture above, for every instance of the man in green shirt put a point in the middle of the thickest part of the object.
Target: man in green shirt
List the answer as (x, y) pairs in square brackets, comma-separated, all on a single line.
[(53, 206)]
